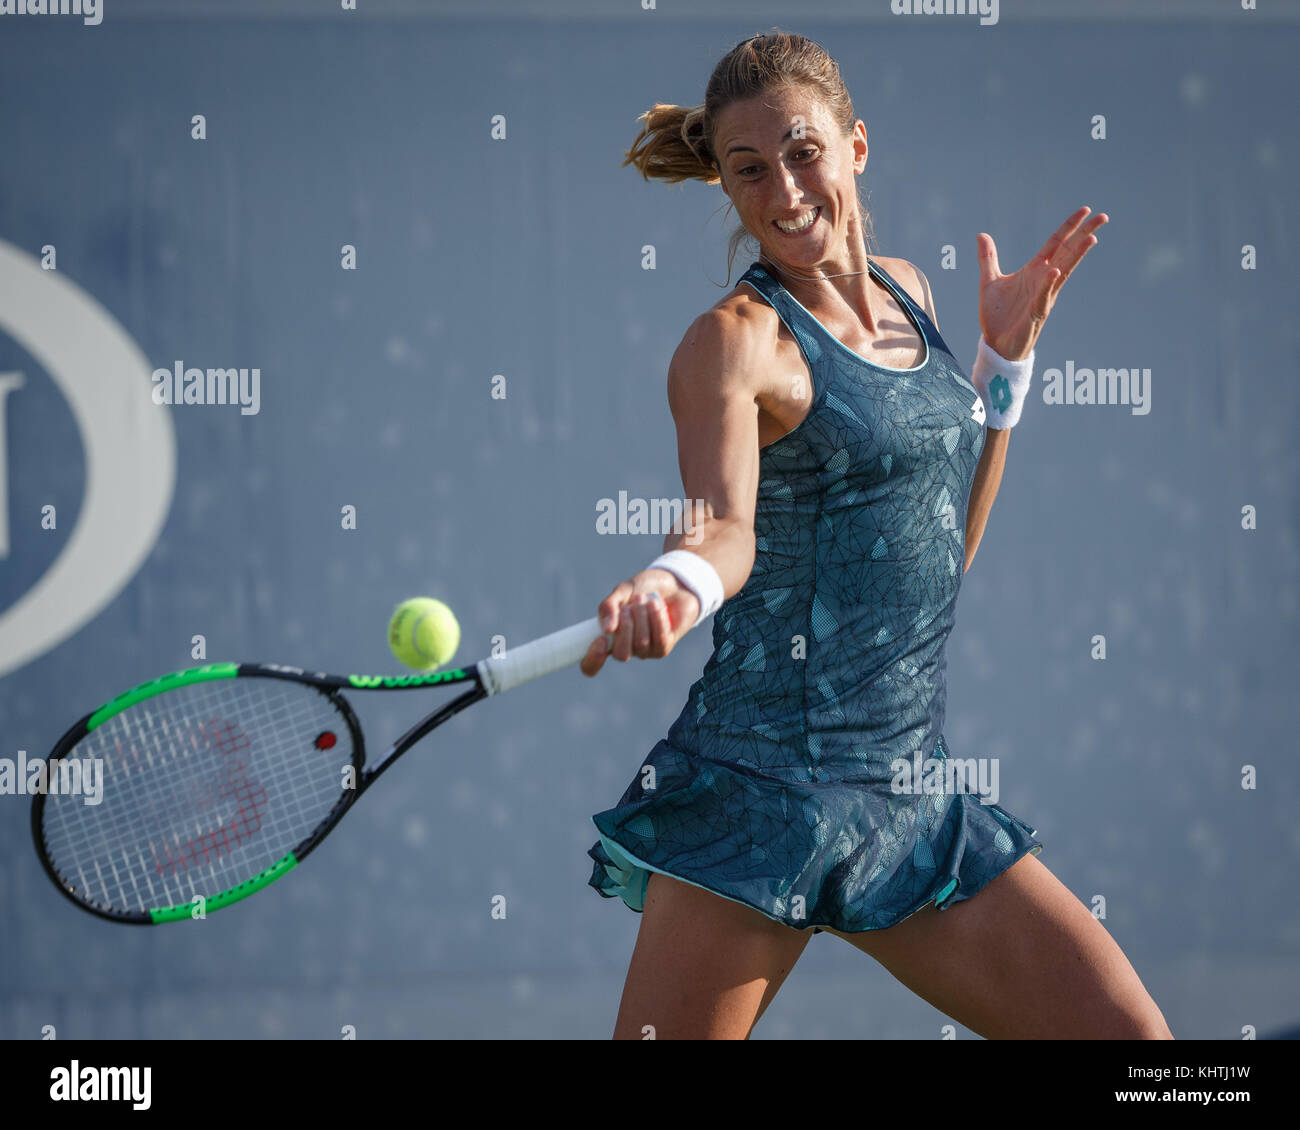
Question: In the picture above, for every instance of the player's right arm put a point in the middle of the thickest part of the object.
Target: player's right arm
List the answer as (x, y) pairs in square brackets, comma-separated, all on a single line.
[(712, 392)]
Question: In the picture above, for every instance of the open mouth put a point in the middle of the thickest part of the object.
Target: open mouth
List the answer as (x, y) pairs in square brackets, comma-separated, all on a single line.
[(800, 225)]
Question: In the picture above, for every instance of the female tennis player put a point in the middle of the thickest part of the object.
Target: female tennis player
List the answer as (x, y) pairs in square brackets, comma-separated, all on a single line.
[(846, 467)]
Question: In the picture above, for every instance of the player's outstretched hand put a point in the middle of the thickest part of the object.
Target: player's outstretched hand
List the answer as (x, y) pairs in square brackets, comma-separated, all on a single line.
[(1013, 307), (643, 617)]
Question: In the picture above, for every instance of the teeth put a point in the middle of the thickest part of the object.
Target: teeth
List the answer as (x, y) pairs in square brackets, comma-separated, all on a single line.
[(799, 224)]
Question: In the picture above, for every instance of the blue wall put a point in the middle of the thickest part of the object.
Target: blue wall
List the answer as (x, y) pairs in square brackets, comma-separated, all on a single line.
[(522, 257)]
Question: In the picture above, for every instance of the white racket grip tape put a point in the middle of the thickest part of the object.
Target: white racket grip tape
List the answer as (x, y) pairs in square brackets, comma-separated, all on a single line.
[(538, 657)]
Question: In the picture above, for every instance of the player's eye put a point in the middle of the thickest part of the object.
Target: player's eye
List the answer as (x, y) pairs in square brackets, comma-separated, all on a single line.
[(807, 151)]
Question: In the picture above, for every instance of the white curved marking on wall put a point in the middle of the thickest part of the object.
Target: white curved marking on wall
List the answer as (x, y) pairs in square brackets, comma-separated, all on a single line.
[(130, 453)]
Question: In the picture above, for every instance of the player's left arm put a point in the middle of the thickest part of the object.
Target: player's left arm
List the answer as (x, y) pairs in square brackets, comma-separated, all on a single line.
[(988, 474)]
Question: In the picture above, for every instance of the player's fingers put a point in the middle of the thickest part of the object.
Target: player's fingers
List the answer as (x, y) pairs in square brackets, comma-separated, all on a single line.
[(641, 625), (661, 629), (594, 660), (623, 634), (608, 610)]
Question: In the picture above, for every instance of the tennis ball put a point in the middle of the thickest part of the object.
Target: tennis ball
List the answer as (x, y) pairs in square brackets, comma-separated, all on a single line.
[(423, 633)]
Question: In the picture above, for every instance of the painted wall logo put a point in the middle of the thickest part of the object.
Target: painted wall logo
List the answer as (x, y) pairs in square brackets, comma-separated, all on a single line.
[(130, 451), (90, 11), (8, 383)]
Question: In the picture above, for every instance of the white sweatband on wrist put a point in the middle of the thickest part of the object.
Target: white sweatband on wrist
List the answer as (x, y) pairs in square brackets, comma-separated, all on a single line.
[(695, 574), (1002, 385)]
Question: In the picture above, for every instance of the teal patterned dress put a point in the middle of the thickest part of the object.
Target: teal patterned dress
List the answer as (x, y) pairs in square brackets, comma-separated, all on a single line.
[(777, 784)]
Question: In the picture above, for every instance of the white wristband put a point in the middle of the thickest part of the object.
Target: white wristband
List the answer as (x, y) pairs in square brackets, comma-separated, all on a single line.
[(695, 574), (1002, 385)]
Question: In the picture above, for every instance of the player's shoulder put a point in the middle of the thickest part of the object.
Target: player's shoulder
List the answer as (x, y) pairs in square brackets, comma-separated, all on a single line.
[(910, 277), (728, 337), (741, 311)]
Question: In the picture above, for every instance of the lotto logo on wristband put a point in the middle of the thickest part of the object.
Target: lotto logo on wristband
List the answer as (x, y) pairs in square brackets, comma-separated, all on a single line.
[(1002, 385), (1000, 394)]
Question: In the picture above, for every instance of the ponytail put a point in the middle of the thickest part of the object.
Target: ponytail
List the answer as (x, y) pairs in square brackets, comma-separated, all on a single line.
[(672, 145)]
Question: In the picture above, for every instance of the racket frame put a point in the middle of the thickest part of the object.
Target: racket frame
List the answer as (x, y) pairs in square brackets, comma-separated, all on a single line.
[(331, 687), (489, 677)]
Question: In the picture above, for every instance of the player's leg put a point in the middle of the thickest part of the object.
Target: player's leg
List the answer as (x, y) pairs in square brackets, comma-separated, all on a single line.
[(770, 992), (703, 966), (1021, 959)]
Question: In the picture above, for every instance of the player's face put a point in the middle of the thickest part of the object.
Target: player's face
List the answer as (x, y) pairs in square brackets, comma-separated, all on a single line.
[(781, 158)]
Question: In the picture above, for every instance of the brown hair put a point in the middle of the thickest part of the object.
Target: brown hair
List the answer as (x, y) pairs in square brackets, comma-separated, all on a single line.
[(676, 142)]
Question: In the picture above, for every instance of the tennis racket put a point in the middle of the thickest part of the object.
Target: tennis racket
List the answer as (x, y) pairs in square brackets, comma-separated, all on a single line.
[(219, 780)]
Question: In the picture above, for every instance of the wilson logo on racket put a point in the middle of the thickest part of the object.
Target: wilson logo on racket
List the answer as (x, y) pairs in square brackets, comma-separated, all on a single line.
[(365, 682), (232, 803)]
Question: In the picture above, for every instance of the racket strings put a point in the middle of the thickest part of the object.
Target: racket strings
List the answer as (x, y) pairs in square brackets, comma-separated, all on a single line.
[(204, 787)]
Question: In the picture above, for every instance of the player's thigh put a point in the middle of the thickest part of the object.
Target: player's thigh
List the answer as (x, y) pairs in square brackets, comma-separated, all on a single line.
[(703, 965), (1021, 959)]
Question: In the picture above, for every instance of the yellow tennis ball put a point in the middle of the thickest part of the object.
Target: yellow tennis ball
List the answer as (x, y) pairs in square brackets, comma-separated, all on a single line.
[(423, 633)]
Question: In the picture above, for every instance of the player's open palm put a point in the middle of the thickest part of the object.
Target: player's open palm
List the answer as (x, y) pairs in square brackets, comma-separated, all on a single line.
[(1013, 308)]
